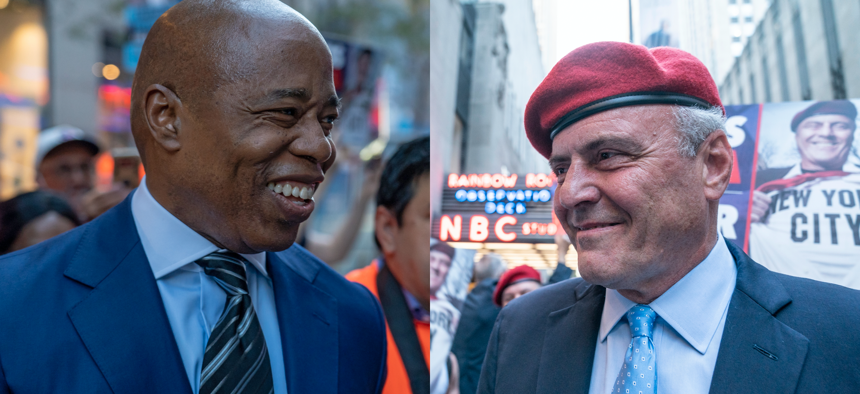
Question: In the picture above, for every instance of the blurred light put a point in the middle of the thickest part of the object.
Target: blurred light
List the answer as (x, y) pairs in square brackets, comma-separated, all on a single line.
[(372, 150), (3, 4), (110, 72), (97, 68)]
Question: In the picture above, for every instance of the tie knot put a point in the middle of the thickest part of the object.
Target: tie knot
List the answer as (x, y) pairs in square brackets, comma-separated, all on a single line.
[(641, 320), (227, 269)]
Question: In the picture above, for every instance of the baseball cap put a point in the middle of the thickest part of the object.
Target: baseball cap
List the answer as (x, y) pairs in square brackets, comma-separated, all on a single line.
[(51, 138)]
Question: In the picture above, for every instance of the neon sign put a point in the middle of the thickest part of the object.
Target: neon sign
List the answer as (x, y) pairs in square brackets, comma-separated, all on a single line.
[(497, 208)]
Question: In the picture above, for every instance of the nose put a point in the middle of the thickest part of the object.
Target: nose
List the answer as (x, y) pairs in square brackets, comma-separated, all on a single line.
[(312, 143), (578, 188)]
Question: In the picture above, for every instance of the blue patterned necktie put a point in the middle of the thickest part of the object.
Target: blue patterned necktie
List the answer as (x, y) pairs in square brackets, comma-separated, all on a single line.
[(236, 359), (638, 375)]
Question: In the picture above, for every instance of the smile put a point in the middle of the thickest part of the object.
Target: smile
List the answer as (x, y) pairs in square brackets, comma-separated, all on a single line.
[(293, 189), (587, 227)]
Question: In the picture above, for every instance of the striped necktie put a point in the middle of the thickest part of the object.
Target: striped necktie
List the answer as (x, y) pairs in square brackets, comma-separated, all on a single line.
[(236, 359)]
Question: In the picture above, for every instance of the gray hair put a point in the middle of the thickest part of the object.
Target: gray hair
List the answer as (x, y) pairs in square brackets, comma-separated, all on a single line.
[(696, 124), (493, 267)]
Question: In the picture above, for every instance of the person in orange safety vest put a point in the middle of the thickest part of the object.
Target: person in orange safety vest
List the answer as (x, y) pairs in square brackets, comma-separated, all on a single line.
[(400, 277)]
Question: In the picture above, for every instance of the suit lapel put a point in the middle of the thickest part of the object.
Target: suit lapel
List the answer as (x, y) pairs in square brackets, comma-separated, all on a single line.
[(568, 348), (308, 320), (122, 321), (758, 353)]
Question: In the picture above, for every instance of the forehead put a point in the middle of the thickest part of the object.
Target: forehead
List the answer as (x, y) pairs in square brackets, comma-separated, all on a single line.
[(439, 255), (626, 127), (266, 57)]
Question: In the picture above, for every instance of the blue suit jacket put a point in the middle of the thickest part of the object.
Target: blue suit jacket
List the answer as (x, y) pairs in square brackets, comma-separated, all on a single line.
[(782, 335), (81, 313)]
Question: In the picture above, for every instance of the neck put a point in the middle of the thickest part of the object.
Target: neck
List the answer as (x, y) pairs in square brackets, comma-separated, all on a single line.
[(647, 292)]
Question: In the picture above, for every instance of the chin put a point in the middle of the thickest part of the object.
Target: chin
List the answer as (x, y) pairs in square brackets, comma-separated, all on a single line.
[(598, 271), (274, 241)]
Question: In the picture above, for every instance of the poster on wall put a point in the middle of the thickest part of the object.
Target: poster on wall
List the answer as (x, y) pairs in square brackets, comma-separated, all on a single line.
[(450, 275), (805, 218), (741, 130)]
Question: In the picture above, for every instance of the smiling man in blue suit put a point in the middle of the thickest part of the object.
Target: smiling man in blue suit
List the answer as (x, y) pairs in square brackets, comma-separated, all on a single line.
[(193, 284)]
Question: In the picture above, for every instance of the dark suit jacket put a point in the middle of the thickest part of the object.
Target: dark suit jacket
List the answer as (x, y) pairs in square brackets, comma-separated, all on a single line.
[(782, 335), (81, 313), (473, 332)]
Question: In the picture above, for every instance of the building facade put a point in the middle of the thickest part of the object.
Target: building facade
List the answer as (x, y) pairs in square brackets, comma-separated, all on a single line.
[(715, 31), (801, 50), (486, 63)]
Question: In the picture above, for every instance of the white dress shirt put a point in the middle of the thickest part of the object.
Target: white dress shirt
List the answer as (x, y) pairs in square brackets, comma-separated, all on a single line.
[(192, 299), (687, 332)]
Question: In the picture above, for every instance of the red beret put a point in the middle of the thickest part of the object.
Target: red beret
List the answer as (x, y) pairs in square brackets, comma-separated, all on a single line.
[(607, 75), (835, 107), (512, 276)]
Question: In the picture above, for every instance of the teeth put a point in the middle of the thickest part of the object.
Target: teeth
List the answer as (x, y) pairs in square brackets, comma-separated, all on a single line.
[(303, 192)]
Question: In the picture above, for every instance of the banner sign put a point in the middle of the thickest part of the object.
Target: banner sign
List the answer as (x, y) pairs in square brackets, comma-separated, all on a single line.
[(807, 187), (741, 130)]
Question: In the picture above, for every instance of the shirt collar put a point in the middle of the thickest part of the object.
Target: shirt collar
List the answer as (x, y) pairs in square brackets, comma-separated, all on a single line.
[(168, 243), (415, 307), (796, 170), (693, 306)]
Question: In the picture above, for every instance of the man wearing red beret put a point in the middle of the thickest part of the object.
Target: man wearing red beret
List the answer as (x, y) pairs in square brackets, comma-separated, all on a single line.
[(514, 283), (665, 305)]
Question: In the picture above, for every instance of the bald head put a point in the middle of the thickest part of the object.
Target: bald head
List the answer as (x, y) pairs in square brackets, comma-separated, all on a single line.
[(231, 98), (198, 46)]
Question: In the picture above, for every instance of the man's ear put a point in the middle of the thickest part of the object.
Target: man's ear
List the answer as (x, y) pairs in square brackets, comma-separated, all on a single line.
[(386, 227), (718, 162), (161, 107)]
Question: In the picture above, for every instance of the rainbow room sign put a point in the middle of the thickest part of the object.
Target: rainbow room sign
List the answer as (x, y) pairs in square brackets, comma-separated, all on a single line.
[(497, 208)]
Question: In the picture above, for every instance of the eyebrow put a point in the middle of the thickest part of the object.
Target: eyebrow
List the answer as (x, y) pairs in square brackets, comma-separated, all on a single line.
[(623, 143), (301, 94), (278, 94)]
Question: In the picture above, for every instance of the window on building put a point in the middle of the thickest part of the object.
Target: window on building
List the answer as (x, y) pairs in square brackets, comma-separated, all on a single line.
[(746, 1), (734, 19), (733, 1), (748, 19), (736, 39)]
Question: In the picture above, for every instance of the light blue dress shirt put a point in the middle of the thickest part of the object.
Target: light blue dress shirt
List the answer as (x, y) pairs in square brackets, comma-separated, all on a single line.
[(192, 299), (687, 333)]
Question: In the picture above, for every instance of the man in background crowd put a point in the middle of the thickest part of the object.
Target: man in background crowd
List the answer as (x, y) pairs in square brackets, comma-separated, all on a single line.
[(400, 276), (516, 283), (65, 165), (33, 217), (476, 321)]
